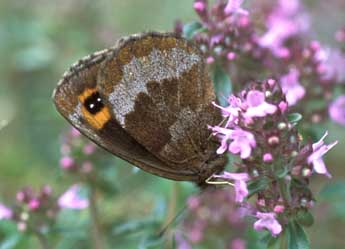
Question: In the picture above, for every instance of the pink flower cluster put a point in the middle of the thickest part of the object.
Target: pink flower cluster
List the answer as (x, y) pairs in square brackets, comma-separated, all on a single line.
[(77, 155), (232, 37), (35, 212), (214, 209), (258, 130)]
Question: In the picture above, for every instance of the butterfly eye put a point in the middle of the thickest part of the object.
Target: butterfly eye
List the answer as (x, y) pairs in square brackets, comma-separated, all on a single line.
[(93, 103)]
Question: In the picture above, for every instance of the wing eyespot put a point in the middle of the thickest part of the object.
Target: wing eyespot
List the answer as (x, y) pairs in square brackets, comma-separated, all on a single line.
[(93, 109)]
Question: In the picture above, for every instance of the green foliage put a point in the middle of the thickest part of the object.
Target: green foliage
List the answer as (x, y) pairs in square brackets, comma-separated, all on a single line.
[(222, 84), (296, 237), (334, 194), (294, 118)]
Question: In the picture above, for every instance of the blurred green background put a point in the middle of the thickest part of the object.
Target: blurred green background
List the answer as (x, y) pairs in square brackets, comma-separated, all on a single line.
[(40, 39)]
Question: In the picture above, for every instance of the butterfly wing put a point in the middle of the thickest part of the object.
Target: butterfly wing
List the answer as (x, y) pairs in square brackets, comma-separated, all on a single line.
[(159, 92), (71, 97)]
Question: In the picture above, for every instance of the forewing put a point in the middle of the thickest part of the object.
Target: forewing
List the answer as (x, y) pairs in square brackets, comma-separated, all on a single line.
[(78, 83), (160, 93)]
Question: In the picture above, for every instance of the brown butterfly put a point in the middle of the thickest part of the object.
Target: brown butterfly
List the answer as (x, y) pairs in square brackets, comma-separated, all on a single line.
[(147, 100)]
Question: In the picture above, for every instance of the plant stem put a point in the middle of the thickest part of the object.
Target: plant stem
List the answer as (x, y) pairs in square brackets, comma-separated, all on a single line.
[(96, 234), (283, 242), (284, 192), (42, 240), (171, 211)]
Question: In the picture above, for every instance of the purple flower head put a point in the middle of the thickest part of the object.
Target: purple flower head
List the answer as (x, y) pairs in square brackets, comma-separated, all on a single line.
[(319, 150), (332, 64), (257, 106), (285, 21), (232, 110), (337, 110), (291, 87), (243, 141), (234, 7), (71, 199), (267, 221), (240, 180), (5, 212)]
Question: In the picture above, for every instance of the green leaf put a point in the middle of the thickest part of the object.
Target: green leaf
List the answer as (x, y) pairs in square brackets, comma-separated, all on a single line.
[(294, 118), (151, 241), (135, 226), (257, 185), (282, 172), (334, 194), (334, 191), (190, 29), (297, 238), (305, 218), (222, 84), (10, 242)]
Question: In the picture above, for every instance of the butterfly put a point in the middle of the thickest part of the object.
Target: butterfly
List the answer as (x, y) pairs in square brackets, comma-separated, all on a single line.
[(147, 100)]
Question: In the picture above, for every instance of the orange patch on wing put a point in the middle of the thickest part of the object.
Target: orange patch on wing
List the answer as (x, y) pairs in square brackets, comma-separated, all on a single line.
[(97, 120), (86, 93)]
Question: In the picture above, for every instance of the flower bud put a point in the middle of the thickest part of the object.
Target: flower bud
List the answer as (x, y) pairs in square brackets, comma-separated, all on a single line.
[(231, 56), (34, 204), (21, 226), (283, 106), (294, 153), (273, 140), (24, 216), (306, 172), (199, 7), (282, 126), (209, 60), (271, 82), (279, 209), (67, 162), (20, 196), (267, 157)]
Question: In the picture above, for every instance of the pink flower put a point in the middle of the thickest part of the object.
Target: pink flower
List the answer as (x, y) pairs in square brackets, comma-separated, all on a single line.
[(67, 162), (71, 199), (181, 241), (75, 133), (234, 7), (291, 87), (257, 106), (267, 221), (240, 180), (199, 6), (34, 204), (337, 110), (332, 63), (279, 209), (232, 110), (243, 141), (319, 150), (267, 157), (5, 212), (238, 244), (284, 22), (89, 149)]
